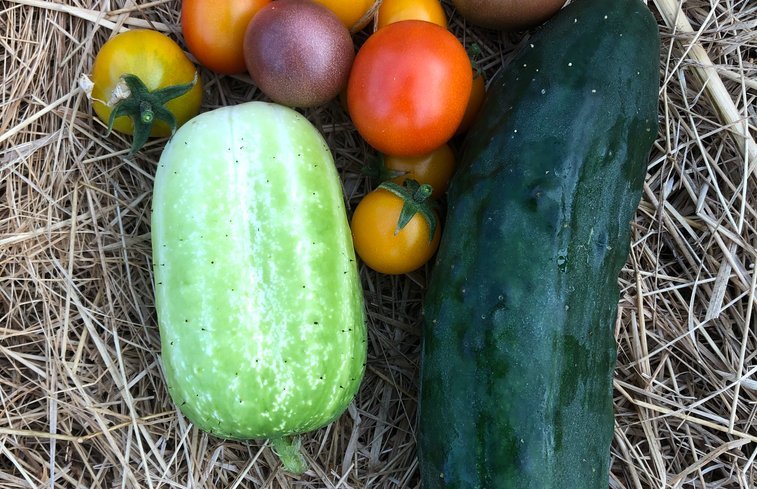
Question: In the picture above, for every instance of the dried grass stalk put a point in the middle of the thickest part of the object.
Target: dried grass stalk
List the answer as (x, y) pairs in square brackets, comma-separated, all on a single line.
[(82, 397)]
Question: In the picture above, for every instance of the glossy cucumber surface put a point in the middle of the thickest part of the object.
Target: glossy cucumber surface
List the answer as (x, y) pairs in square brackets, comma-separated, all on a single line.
[(518, 347)]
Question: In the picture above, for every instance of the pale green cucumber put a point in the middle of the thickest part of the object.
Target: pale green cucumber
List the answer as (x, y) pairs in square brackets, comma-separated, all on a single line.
[(259, 302)]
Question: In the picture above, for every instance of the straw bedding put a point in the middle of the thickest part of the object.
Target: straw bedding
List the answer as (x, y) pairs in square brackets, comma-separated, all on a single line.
[(82, 397)]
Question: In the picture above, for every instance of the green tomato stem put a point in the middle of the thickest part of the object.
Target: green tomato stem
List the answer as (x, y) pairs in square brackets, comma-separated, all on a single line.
[(146, 114), (377, 170), (474, 53), (145, 107), (416, 200)]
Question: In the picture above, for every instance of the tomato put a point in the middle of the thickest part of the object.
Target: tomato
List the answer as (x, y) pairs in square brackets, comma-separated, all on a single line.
[(507, 14), (476, 100), (298, 53), (409, 87), (164, 90), (214, 31), (380, 238), (355, 14), (434, 168), (392, 11)]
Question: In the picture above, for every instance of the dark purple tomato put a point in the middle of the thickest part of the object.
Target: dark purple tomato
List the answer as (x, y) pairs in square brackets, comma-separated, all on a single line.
[(298, 53)]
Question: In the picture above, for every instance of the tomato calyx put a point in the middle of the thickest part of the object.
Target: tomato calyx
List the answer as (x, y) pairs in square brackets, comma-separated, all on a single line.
[(378, 170), (474, 53), (416, 200), (145, 107)]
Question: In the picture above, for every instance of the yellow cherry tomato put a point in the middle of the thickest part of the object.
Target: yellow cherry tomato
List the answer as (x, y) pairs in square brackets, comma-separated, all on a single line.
[(396, 10), (355, 14), (164, 89), (434, 168), (379, 242)]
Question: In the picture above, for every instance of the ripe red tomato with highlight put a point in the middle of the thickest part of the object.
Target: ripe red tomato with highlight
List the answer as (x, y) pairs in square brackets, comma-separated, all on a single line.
[(409, 87), (214, 31)]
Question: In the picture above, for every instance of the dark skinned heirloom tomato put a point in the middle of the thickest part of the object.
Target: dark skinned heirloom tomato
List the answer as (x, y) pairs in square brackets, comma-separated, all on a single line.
[(214, 31), (143, 84), (409, 87), (298, 53)]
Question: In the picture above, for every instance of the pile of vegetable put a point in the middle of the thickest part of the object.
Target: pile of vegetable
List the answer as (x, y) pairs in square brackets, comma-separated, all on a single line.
[(525, 190)]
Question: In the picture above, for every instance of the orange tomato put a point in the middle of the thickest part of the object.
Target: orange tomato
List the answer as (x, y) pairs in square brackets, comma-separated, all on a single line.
[(476, 100), (396, 10), (352, 13), (434, 168), (214, 31), (379, 242), (409, 87)]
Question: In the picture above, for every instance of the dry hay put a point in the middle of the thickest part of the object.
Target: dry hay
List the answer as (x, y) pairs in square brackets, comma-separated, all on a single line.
[(82, 400)]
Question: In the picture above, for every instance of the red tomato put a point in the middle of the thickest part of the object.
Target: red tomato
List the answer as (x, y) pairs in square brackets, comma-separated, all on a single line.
[(214, 31), (409, 87)]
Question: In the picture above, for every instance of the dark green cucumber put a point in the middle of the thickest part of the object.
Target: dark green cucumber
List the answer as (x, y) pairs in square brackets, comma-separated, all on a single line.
[(518, 346)]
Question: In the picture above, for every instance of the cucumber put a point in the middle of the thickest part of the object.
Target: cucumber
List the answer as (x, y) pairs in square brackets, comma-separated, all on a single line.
[(518, 347), (259, 302)]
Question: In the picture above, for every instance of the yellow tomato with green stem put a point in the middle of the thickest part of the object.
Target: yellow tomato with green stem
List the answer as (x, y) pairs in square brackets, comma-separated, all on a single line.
[(395, 228), (144, 84)]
